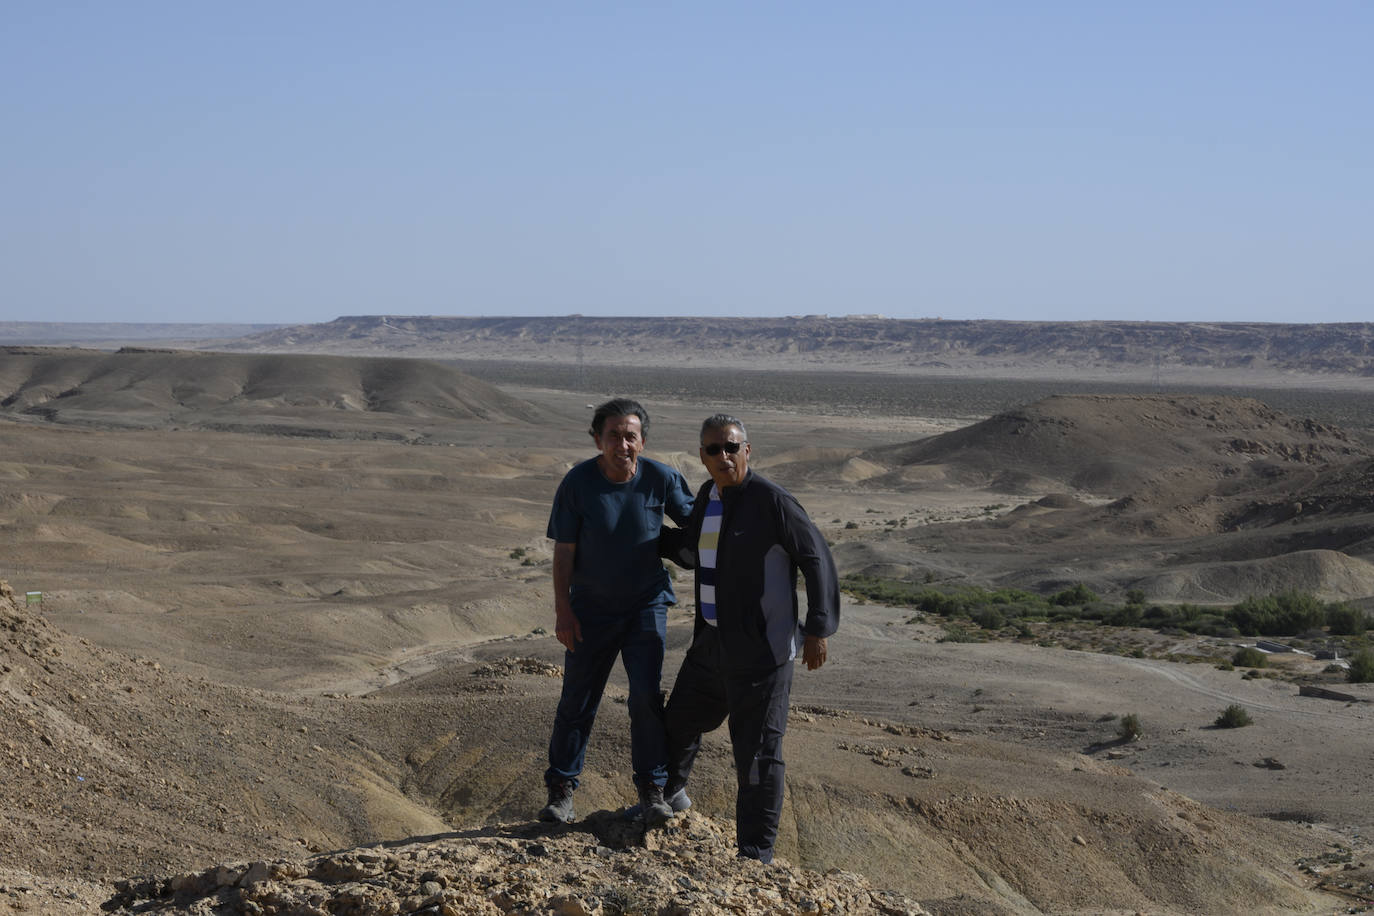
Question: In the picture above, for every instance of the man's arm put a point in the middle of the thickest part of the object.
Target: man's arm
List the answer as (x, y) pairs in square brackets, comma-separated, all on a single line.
[(808, 549), (566, 626), (679, 502), (677, 545)]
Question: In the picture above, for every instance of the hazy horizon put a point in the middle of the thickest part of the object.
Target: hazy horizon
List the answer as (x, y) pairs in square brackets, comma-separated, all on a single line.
[(532, 316)]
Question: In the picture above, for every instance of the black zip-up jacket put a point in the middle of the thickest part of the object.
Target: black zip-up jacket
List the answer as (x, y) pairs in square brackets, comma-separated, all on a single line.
[(766, 537)]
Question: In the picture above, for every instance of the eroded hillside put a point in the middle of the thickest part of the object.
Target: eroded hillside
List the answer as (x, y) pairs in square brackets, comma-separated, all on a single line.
[(1162, 493), (302, 395)]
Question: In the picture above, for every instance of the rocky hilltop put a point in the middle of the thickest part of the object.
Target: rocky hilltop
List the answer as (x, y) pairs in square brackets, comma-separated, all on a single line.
[(601, 866), (930, 345)]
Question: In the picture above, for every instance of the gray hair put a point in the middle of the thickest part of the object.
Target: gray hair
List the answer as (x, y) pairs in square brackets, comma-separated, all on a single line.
[(723, 421)]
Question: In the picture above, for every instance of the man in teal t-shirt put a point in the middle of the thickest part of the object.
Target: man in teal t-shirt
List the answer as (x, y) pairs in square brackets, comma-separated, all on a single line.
[(611, 597)]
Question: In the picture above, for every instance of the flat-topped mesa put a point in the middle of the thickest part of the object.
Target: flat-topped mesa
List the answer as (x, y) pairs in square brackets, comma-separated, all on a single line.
[(856, 342)]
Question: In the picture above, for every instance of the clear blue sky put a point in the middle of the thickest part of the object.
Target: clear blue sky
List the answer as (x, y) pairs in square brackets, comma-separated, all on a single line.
[(296, 161)]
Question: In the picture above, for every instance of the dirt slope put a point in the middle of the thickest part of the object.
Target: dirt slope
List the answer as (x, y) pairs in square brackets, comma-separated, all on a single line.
[(114, 766), (158, 389)]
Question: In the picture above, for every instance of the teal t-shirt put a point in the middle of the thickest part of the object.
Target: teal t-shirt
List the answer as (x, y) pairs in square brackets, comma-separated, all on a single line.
[(615, 527)]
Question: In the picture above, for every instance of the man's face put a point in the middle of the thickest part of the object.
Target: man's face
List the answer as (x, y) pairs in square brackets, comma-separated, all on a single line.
[(726, 468), (621, 440)]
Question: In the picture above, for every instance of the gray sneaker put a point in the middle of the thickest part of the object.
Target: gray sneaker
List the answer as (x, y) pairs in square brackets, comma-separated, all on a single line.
[(560, 806), (677, 800), (652, 808)]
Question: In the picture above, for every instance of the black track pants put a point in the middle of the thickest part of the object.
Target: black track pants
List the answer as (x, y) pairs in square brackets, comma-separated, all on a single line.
[(756, 704)]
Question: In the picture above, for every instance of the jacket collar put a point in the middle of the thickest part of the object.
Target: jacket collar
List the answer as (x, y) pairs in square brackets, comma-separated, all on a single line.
[(730, 493)]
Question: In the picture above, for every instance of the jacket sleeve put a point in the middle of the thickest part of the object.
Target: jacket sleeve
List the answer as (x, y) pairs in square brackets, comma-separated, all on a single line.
[(676, 545), (808, 549)]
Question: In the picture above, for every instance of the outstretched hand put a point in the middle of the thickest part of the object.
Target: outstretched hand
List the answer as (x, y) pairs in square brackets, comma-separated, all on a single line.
[(813, 652)]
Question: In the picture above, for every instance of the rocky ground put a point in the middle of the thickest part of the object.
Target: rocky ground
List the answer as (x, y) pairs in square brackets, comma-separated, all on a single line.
[(602, 865)]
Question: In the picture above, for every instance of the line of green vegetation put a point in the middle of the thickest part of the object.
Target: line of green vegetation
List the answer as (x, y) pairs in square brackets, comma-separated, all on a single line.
[(1287, 614), (1284, 614)]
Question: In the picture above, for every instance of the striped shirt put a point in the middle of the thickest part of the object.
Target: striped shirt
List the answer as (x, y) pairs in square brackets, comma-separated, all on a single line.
[(706, 556)]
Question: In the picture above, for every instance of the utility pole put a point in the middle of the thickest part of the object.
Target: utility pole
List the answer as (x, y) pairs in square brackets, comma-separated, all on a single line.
[(581, 368)]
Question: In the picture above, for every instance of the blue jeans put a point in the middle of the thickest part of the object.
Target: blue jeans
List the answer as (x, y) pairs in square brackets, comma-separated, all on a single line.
[(638, 638)]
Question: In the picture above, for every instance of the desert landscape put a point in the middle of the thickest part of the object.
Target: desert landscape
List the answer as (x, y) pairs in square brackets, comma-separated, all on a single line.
[(276, 629)]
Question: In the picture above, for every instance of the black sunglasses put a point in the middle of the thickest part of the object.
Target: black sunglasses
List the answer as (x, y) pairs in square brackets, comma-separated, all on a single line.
[(715, 448)]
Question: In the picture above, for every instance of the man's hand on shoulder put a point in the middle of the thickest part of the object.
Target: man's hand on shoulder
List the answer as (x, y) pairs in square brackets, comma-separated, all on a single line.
[(813, 652)]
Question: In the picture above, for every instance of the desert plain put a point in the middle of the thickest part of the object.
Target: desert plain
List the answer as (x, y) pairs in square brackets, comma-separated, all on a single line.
[(292, 648)]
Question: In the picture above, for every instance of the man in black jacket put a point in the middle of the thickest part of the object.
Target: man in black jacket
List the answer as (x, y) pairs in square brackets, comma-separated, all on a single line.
[(747, 538)]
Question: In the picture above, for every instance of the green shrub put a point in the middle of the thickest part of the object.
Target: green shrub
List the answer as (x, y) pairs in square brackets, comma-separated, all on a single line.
[(1126, 616), (1345, 620), (1234, 716), (1249, 657), (1014, 596), (1096, 612), (955, 633), (1361, 667), (989, 618), (1210, 625), (1183, 617), (1156, 616), (1128, 729), (1285, 614), (1078, 595)]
